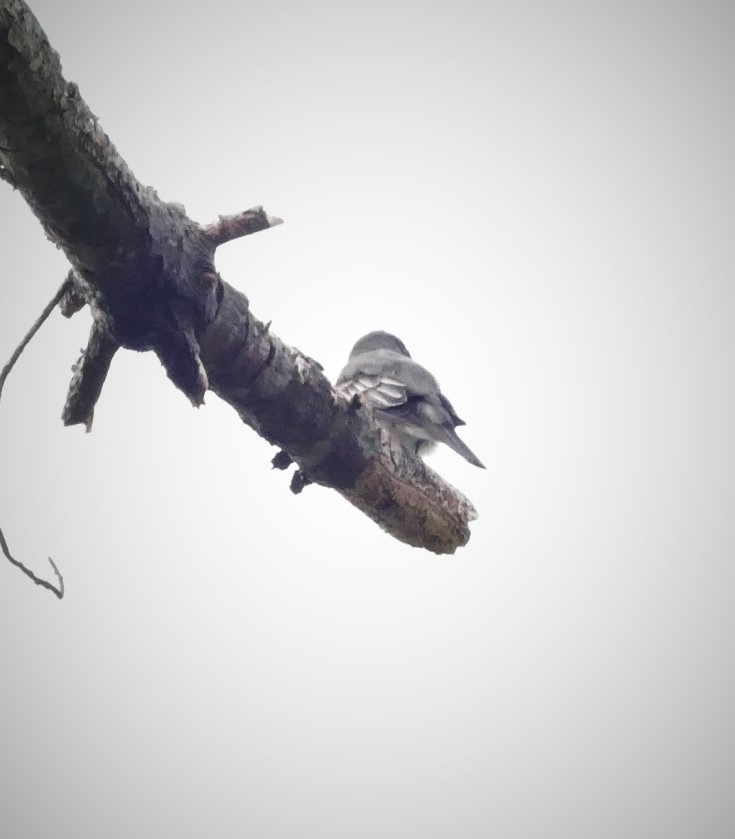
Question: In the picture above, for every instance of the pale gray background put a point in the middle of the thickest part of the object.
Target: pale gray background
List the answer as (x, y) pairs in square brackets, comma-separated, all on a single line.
[(540, 199)]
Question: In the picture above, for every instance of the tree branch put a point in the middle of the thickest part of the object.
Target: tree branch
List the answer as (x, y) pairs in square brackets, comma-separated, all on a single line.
[(227, 228), (148, 273), (89, 376)]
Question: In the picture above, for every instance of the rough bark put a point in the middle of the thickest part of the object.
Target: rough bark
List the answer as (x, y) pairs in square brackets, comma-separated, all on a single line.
[(147, 271)]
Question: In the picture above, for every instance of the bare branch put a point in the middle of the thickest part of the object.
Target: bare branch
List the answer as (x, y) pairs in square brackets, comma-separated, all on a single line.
[(59, 592), (147, 269), (227, 228), (411, 502), (89, 376)]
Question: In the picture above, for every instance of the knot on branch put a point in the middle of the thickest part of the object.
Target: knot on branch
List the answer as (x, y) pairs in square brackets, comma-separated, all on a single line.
[(75, 296)]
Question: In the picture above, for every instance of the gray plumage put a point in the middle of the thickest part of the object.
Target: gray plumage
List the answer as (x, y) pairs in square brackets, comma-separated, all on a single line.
[(403, 395)]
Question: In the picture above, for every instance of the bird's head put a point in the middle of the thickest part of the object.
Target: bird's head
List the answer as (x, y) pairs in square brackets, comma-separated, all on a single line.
[(379, 340)]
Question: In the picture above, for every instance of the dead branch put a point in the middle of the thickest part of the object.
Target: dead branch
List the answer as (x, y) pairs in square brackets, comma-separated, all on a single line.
[(89, 376), (148, 273), (235, 226)]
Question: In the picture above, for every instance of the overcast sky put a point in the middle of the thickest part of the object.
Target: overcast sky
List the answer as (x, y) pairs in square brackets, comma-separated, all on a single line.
[(538, 198)]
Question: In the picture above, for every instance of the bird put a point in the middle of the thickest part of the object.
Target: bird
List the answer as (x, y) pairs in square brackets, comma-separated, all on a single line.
[(404, 396)]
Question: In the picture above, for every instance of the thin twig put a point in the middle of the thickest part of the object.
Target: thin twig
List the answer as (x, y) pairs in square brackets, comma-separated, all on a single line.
[(59, 592), (32, 331)]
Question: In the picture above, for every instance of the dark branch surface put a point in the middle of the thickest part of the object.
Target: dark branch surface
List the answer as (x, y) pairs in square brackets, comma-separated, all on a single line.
[(147, 271), (74, 299), (140, 258), (89, 376), (6, 176)]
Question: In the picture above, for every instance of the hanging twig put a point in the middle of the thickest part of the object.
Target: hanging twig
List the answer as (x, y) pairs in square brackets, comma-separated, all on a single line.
[(59, 592), (50, 306)]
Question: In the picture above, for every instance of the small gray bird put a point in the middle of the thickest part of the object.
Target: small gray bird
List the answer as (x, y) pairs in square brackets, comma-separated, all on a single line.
[(404, 397)]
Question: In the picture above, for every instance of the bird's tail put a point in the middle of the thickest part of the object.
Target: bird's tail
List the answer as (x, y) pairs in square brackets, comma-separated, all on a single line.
[(451, 438)]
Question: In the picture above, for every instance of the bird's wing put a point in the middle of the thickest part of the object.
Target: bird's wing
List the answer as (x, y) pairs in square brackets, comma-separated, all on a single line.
[(389, 372), (376, 378), (381, 391)]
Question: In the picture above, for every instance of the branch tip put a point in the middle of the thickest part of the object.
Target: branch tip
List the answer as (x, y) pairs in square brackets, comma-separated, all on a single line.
[(89, 374), (299, 481), (237, 225), (282, 460)]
